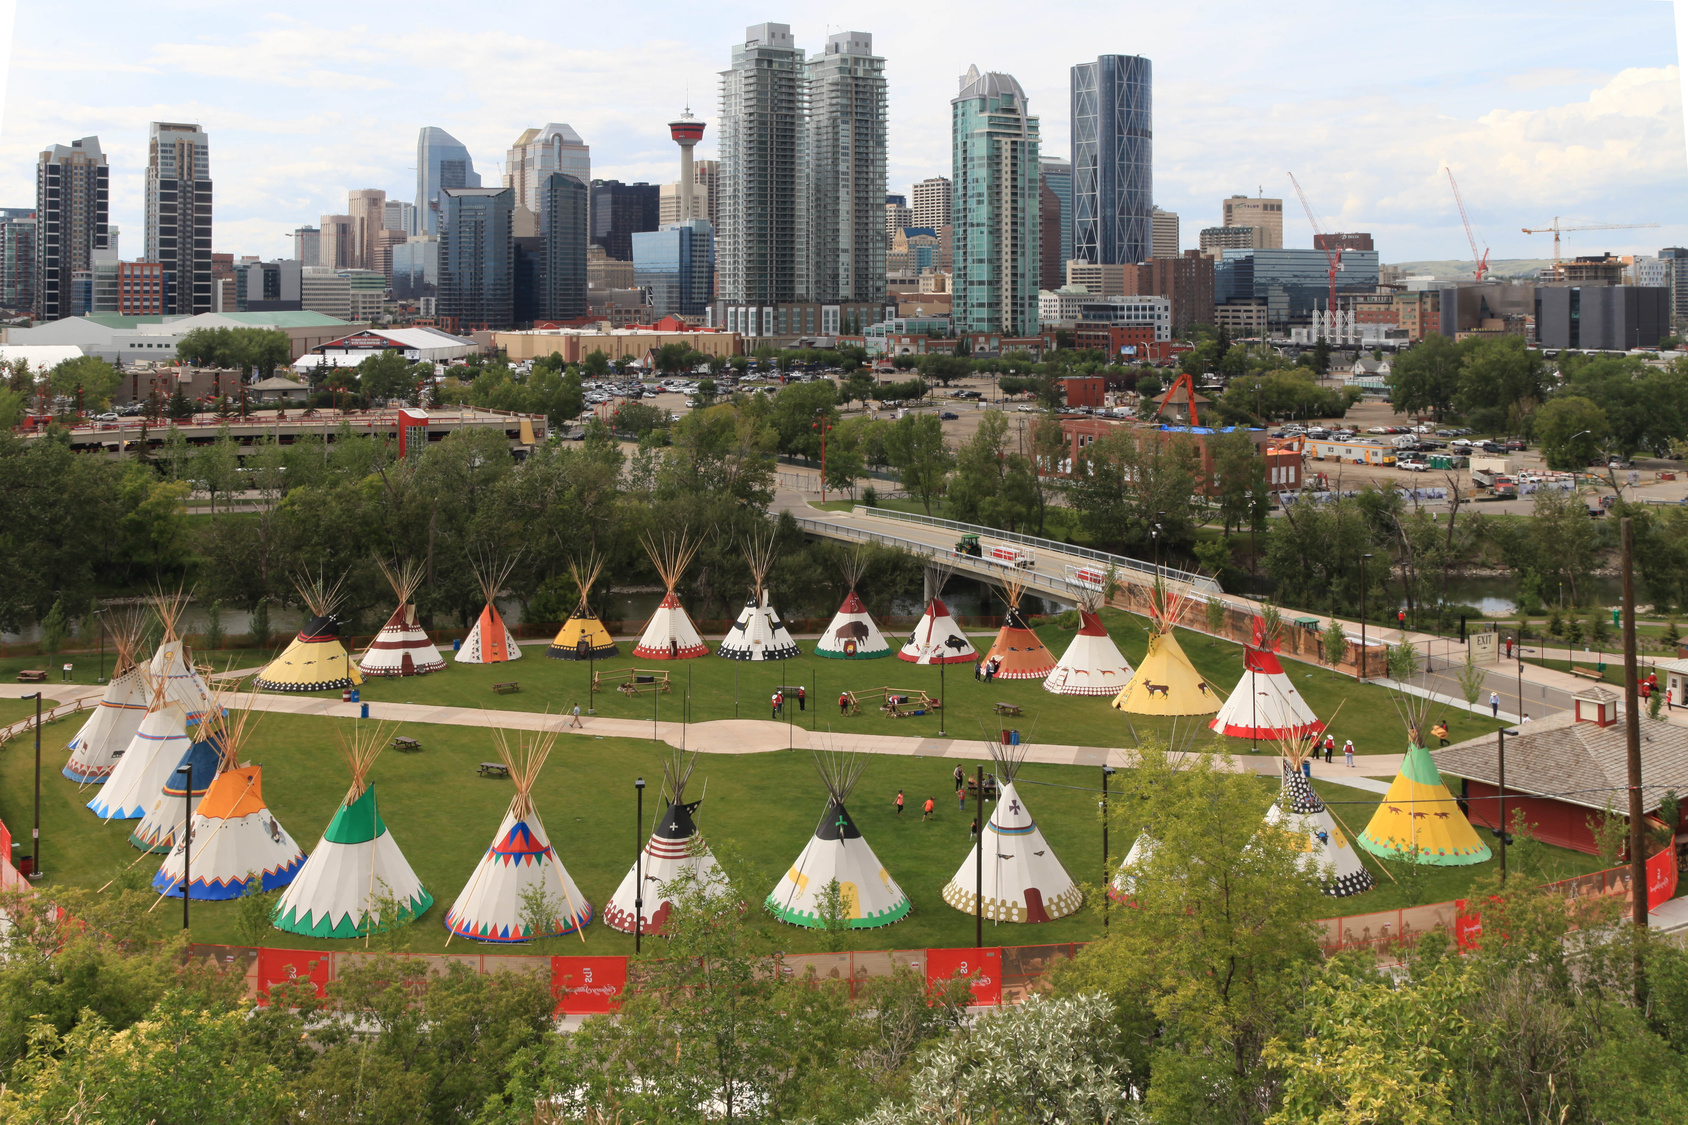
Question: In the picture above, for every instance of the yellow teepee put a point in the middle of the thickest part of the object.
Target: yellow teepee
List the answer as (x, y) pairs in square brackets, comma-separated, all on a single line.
[(583, 635), (1166, 683), (1418, 816)]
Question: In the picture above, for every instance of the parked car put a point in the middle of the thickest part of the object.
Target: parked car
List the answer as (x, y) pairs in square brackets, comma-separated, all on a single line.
[(948, 415), (1412, 466)]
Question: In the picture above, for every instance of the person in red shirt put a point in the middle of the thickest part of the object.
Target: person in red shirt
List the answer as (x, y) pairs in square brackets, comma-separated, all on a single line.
[(843, 703), (899, 802), (926, 809)]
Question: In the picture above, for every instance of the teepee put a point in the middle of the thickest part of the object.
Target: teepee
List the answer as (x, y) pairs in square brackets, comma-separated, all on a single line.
[(1092, 664), (490, 906), (937, 638), (316, 660), (109, 730), (356, 866), (868, 896), (172, 663), (1298, 811), (1419, 821), (852, 634), (1166, 683), (670, 634), (490, 640), (1020, 655), (675, 851), (583, 636), (145, 764), (174, 802), (1265, 704), (402, 647), (1023, 880), (758, 634), (235, 838), (1124, 884)]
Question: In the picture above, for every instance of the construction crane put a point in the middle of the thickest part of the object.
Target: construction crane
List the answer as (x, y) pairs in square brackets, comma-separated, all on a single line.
[(1557, 229), (1333, 252), (1482, 259)]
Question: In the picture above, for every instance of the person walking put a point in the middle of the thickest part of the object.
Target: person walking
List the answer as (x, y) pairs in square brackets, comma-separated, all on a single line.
[(978, 670), (973, 829), (1440, 730), (927, 809), (959, 775), (843, 703), (774, 703), (577, 723), (1494, 703), (1330, 749), (802, 698), (899, 802), (1348, 753), (961, 795)]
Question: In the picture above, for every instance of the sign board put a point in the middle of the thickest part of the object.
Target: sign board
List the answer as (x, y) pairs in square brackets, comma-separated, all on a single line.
[(981, 967), (1485, 647), (278, 965), (363, 340), (588, 984)]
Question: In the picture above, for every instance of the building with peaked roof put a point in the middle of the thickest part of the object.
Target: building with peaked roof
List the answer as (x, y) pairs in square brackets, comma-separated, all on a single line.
[(997, 237), (416, 345), (142, 339)]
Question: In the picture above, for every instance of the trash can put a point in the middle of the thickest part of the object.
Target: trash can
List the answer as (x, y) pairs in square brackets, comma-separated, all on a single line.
[(1013, 738), (357, 695), (363, 711), (456, 645), (1307, 769), (1005, 735), (345, 695)]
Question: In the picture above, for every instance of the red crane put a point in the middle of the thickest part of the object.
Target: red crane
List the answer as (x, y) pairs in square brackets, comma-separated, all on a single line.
[(1482, 259), (1333, 252)]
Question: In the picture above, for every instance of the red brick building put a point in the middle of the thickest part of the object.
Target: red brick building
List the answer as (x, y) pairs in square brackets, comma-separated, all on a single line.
[(140, 288)]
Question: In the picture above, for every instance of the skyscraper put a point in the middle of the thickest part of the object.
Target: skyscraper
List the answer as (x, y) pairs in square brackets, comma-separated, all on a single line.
[(1165, 234), (399, 215), (995, 209), (1113, 160), (71, 192), (337, 242), (1049, 233), (563, 200), (368, 209), (845, 172), (539, 152), (306, 241), (178, 214), (619, 210), (441, 162), (1264, 215), (17, 258), (1057, 172), (931, 203), (477, 258), (763, 150)]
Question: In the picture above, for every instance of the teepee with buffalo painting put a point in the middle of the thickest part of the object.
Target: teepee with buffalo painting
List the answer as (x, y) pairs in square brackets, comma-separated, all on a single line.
[(852, 634)]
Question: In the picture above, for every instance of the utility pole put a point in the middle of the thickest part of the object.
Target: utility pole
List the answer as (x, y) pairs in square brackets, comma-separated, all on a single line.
[(1632, 736), (35, 844), (638, 863), (979, 863)]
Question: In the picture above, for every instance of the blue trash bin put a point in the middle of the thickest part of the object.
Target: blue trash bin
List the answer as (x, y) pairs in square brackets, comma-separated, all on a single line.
[(1307, 769), (1013, 738), (357, 694), (363, 711), (456, 645)]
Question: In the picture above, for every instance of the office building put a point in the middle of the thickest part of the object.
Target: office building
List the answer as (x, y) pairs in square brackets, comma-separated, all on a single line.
[(1049, 218), (563, 202), (477, 258), (618, 211), (1292, 282), (1267, 214), (1069, 305), (932, 199), (1216, 240), (324, 290), (306, 240), (1057, 172), (1601, 317), (1343, 240), (416, 268), (669, 203), (385, 241), (1113, 159), (914, 251), (1675, 259), (1165, 237), (17, 259), (1187, 281), (368, 211), (178, 214), (268, 286), (845, 172), (399, 215), (998, 244), (441, 162), (605, 272), (539, 152), (897, 216), (366, 293), (1100, 280), (337, 242), (676, 266), (71, 209)]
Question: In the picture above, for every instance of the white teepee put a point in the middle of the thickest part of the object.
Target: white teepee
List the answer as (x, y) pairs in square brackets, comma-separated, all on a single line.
[(1092, 664), (172, 663), (234, 836), (1124, 884), (402, 647), (490, 640), (675, 853), (147, 761), (758, 634), (670, 634), (852, 634), (937, 639), (1265, 704), (1022, 878), (490, 907), (868, 896), (1325, 848), (109, 730), (356, 866), (175, 801)]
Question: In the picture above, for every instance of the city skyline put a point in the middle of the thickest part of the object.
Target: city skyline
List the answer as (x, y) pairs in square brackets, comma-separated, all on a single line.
[(307, 109)]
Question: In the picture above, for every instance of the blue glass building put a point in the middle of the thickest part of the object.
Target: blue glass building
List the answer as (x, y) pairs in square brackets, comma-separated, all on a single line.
[(1113, 183), (1293, 282), (477, 258), (677, 265), (442, 162)]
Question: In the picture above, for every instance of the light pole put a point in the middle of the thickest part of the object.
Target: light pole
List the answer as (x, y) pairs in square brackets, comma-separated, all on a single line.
[(35, 859), (1360, 665), (1107, 772), (99, 617), (979, 862), (638, 862), (187, 839)]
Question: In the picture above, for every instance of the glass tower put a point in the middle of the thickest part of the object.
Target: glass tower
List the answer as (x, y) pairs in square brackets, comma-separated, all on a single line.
[(1058, 174), (764, 113), (995, 209), (563, 199), (477, 258), (441, 162), (178, 214), (1113, 160)]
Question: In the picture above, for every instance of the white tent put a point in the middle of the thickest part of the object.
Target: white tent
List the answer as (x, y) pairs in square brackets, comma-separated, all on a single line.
[(1023, 880), (758, 634), (868, 896), (675, 854), (172, 663), (670, 634), (490, 907), (937, 639), (1124, 884), (175, 802), (402, 647), (356, 865), (109, 730), (146, 763), (1092, 664), (1325, 848), (1264, 703), (852, 634), (490, 640)]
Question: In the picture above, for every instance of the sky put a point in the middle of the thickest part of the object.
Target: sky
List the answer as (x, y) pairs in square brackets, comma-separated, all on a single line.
[(1541, 108)]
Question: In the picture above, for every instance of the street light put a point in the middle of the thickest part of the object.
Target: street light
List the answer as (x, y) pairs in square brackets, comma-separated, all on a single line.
[(1500, 832), (639, 862), (35, 859), (187, 839), (1360, 666), (1107, 772)]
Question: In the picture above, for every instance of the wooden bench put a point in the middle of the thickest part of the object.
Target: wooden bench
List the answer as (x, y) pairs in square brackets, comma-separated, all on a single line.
[(992, 789), (1588, 673), (406, 745), (494, 769), (1007, 708), (32, 676), (507, 688)]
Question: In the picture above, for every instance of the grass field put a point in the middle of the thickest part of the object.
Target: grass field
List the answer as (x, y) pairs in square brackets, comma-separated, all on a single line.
[(759, 812), (11, 710)]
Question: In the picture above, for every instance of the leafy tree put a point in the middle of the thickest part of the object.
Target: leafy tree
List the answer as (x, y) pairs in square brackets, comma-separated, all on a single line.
[(1334, 640), (1128, 481), (88, 380), (914, 446), (797, 410), (258, 632), (1570, 429), (993, 484), (1239, 481), (214, 632), (54, 628), (1426, 377), (1504, 377)]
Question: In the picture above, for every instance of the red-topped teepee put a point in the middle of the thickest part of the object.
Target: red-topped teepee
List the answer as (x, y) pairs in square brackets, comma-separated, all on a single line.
[(1264, 703)]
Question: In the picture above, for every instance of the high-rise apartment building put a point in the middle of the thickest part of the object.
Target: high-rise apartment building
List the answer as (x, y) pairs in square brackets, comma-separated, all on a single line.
[(931, 202), (441, 162), (760, 251), (539, 152), (399, 215), (1256, 211), (337, 242), (997, 243), (477, 258), (1049, 219), (563, 201), (1216, 240), (178, 214), (306, 241), (1113, 159), (1057, 172), (845, 172), (1676, 274), (618, 210), (368, 209), (71, 210), (1185, 279), (17, 259), (1165, 236)]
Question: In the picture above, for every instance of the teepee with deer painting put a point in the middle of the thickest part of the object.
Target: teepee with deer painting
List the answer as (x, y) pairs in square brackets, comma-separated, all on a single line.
[(1418, 820), (674, 857), (316, 660), (852, 634), (490, 640), (101, 741), (1092, 664), (1166, 683), (670, 634), (758, 634), (583, 636), (402, 647)]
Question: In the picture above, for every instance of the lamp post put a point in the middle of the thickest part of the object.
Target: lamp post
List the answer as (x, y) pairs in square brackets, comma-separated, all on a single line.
[(638, 862), (825, 427), (1360, 665), (99, 616), (1500, 832), (35, 859), (1107, 772), (187, 839), (979, 862)]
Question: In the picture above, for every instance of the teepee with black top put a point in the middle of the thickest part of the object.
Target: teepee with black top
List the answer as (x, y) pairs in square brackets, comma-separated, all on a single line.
[(316, 660), (675, 855), (1325, 848), (758, 634), (670, 634)]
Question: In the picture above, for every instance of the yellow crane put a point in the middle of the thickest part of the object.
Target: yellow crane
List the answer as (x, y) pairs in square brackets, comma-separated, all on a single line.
[(1556, 229)]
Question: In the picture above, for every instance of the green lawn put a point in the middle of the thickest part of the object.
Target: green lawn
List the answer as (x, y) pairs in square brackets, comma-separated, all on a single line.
[(11, 710), (760, 810)]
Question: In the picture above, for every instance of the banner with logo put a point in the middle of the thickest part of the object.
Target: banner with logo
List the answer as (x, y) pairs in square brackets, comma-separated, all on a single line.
[(980, 967), (588, 984)]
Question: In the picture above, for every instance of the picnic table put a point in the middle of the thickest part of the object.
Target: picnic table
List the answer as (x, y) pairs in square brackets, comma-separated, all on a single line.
[(32, 676), (992, 789), (1587, 673), (406, 745), (494, 769), (507, 687), (1007, 708)]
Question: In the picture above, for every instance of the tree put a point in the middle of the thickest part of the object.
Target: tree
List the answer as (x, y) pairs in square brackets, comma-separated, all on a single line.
[(1504, 377), (88, 380), (1239, 481), (992, 484), (1127, 481), (1570, 429), (54, 627), (1426, 377), (1334, 640), (178, 407), (915, 447)]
